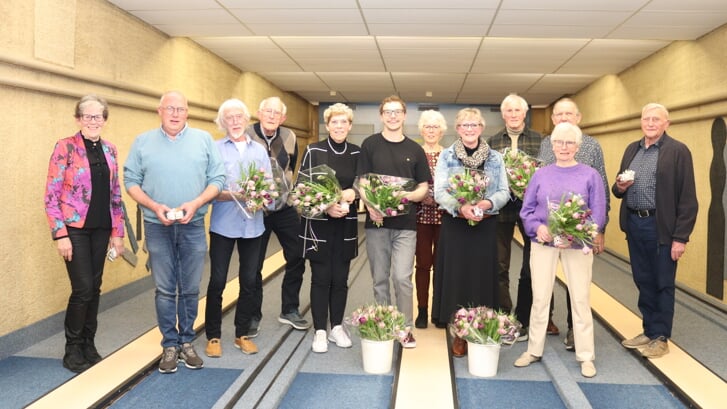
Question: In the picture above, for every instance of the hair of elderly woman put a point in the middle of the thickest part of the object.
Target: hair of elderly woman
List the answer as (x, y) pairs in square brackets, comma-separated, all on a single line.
[(430, 116), (567, 131), (88, 100), (338, 109), (233, 103), (470, 113), (516, 100)]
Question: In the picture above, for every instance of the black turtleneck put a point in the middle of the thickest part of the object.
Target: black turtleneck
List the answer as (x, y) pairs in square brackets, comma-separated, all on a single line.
[(99, 214)]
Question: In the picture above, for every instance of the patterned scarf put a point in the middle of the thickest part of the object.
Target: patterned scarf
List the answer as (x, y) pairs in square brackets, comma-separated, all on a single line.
[(478, 157)]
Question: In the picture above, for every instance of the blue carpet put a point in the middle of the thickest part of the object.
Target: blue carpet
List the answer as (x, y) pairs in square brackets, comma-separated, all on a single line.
[(186, 388), (15, 372), (495, 394), (322, 391), (617, 396)]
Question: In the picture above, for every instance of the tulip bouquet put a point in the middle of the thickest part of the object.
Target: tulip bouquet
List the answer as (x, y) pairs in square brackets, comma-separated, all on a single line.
[(570, 221), (520, 168), (315, 191), (384, 194), (378, 322), (254, 190), (484, 325), (467, 186)]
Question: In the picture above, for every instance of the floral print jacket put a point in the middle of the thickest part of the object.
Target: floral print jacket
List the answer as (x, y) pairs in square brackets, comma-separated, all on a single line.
[(68, 187)]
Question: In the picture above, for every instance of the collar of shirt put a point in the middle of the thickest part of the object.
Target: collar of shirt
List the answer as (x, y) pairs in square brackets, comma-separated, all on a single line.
[(181, 133), (642, 142)]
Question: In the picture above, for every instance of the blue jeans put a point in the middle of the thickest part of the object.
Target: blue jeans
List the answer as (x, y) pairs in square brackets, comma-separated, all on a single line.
[(391, 256), (654, 275), (176, 255)]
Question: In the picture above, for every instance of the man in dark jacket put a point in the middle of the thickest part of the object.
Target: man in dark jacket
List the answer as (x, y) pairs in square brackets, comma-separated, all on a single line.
[(657, 219), (282, 147)]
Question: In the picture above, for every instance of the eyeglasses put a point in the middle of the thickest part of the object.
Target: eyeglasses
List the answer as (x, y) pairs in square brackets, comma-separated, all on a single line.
[(238, 117), (337, 122), (171, 110), (392, 112), (560, 143), (90, 118), (431, 127), (272, 113), (468, 126)]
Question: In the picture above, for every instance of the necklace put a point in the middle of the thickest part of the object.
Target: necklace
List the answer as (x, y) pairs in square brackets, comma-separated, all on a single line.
[(345, 146)]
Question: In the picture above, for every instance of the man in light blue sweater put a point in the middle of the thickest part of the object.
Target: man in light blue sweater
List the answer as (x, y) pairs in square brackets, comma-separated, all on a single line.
[(173, 172)]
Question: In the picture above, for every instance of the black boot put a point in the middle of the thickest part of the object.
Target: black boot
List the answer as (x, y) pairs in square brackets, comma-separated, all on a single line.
[(74, 360), (90, 352), (89, 332), (421, 321)]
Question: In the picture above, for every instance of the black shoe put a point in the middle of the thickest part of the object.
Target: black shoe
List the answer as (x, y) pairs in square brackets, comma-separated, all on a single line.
[(74, 360), (421, 321), (90, 353)]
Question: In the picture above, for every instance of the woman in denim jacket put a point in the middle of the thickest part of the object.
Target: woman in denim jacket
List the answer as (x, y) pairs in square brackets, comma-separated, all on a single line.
[(465, 272)]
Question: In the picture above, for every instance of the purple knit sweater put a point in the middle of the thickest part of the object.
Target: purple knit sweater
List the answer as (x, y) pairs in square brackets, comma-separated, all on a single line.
[(550, 183)]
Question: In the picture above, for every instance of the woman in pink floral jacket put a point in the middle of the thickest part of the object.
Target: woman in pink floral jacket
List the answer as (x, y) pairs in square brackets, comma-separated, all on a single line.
[(83, 207)]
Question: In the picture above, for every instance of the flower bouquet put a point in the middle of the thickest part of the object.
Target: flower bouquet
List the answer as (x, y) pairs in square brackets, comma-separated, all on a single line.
[(254, 190), (378, 326), (520, 168), (378, 322), (484, 325), (570, 221), (315, 191), (384, 194), (467, 186)]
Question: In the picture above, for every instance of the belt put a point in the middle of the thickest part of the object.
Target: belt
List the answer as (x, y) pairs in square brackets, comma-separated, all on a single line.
[(643, 212)]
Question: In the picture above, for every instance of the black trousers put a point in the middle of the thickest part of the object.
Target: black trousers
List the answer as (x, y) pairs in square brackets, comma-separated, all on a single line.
[(285, 223), (329, 280), (85, 270), (248, 301)]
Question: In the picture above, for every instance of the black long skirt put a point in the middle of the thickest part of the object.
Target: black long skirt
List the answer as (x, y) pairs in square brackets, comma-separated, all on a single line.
[(465, 272)]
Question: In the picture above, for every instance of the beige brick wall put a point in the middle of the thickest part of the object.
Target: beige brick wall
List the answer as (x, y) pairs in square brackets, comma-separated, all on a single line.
[(113, 54), (687, 77)]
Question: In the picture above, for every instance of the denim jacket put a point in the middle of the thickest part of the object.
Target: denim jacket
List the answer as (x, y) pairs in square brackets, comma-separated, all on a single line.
[(497, 190)]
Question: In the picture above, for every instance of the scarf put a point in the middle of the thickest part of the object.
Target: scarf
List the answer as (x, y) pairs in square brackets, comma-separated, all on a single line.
[(478, 157)]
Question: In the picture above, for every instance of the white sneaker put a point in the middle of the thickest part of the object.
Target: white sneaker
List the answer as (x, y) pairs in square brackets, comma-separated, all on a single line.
[(339, 336), (320, 343)]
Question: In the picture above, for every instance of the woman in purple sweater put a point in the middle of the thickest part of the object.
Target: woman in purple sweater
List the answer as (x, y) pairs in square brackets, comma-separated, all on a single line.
[(548, 185)]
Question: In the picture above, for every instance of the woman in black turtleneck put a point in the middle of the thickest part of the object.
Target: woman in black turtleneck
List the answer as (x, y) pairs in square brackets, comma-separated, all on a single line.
[(83, 207), (330, 241)]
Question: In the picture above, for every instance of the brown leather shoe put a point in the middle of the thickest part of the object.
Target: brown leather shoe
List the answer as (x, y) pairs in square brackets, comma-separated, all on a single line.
[(459, 347), (552, 328)]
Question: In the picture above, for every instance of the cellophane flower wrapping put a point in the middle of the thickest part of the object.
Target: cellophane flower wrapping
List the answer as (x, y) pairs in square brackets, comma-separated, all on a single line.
[(378, 322), (485, 325), (519, 167), (384, 194), (570, 221), (255, 190), (315, 191), (467, 186)]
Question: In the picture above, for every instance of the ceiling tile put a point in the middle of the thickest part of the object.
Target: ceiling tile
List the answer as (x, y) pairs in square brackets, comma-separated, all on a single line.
[(462, 51)]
